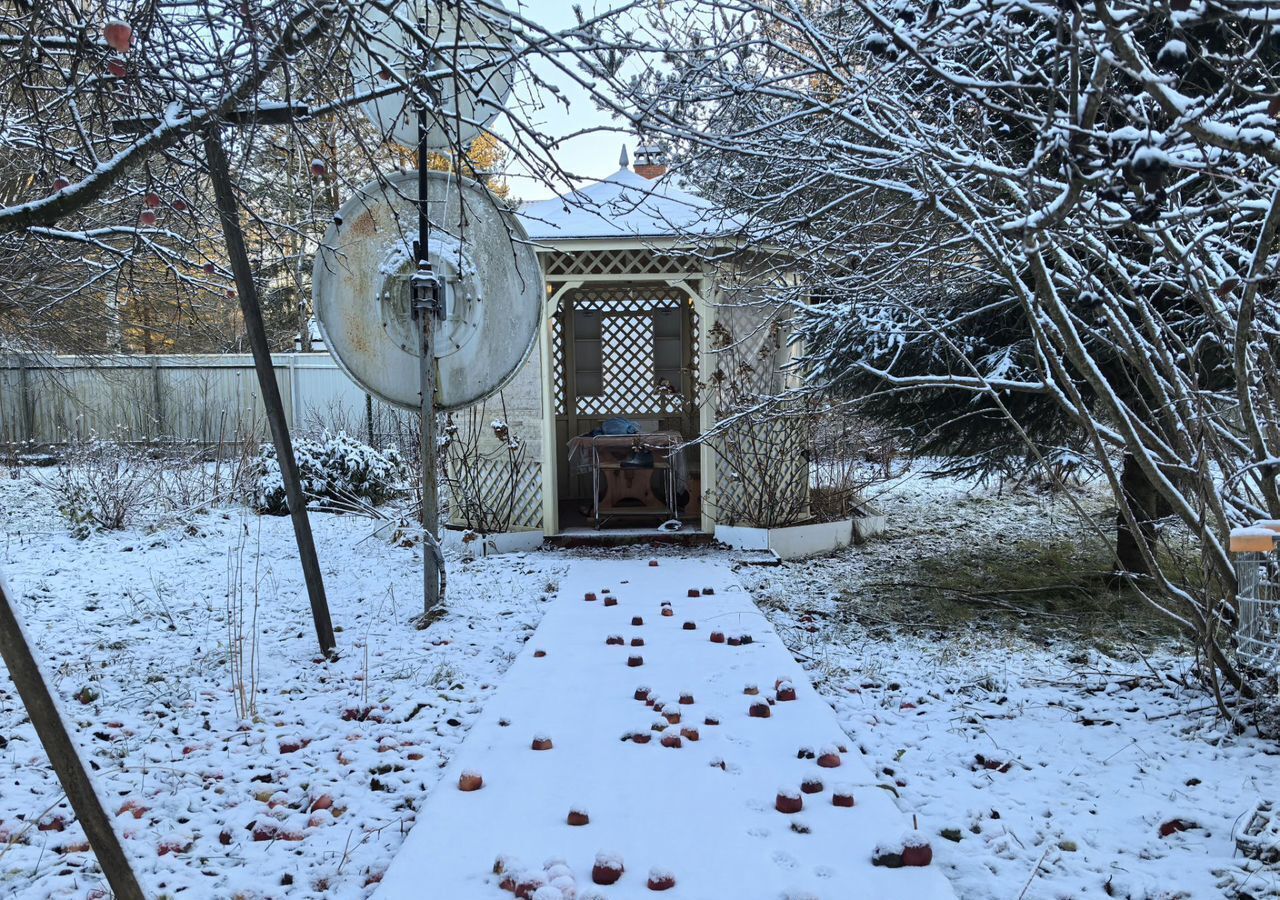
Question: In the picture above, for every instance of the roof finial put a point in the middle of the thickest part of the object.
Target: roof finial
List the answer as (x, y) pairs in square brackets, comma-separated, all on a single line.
[(624, 160)]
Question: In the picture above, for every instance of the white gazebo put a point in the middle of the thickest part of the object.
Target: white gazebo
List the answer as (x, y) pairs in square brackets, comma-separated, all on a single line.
[(652, 307)]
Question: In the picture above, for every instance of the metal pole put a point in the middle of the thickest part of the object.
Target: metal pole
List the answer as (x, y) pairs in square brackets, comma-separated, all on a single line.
[(229, 212), (66, 762), (426, 305), (24, 398)]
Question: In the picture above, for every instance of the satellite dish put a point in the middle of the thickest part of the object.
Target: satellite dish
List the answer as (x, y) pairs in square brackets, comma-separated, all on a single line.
[(471, 96), (493, 290)]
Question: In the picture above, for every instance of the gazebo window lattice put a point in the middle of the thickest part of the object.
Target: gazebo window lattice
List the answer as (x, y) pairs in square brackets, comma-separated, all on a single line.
[(625, 351)]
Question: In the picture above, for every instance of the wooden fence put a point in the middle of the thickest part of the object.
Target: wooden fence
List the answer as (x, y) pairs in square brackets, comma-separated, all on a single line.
[(205, 399)]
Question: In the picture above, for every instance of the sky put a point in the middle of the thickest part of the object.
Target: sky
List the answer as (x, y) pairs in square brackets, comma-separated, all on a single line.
[(593, 155)]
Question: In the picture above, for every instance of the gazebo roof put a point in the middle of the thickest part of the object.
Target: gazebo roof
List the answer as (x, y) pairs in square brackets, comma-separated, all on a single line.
[(627, 206)]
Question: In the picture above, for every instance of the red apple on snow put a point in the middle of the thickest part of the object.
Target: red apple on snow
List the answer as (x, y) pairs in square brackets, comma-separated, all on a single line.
[(829, 757), (470, 780), (578, 817), (788, 801), (607, 869), (812, 785), (661, 880), (916, 850), (717, 637)]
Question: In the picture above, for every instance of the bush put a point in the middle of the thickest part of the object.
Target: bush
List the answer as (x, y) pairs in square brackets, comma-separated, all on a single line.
[(338, 474), (102, 486)]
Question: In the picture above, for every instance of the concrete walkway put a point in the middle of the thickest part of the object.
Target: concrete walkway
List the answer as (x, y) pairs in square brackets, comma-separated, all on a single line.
[(703, 814)]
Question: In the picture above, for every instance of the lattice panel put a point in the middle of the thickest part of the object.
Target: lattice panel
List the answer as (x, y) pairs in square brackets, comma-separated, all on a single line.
[(587, 264), (695, 354), (630, 379), (558, 382), (495, 492), (763, 473), (629, 300), (747, 369)]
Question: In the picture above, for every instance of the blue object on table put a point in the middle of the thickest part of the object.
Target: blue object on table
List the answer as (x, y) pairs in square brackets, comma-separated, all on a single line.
[(617, 427)]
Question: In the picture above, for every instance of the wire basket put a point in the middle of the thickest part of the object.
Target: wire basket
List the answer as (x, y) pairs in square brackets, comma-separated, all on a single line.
[(1258, 595)]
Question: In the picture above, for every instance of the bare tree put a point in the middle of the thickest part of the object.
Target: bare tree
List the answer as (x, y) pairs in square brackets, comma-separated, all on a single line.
[(1098, 179)]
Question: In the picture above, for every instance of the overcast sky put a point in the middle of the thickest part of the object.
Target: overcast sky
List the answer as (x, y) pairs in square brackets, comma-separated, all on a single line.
[(593, 155)]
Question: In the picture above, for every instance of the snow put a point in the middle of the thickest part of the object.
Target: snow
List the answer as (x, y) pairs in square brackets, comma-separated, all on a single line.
[(1254, 531), (626, 205), (1106, 745), (441, 246), (140, 617), (716, 830)]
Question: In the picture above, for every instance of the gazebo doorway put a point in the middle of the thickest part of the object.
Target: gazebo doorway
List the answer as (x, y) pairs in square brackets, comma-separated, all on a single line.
[(626, 359)]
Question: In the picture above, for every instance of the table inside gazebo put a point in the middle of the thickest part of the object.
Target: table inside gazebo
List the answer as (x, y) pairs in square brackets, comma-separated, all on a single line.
[(624, 465)]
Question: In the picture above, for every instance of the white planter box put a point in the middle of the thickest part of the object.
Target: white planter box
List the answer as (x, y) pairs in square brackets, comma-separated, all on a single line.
[(797, 541), (868, 523), (490, 544), (791, 542)]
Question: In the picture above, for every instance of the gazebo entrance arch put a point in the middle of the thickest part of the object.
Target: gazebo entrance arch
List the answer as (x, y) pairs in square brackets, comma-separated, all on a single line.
[(624, 339)]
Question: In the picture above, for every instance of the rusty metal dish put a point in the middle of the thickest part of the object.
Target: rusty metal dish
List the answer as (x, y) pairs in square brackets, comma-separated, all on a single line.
[(493, 290)]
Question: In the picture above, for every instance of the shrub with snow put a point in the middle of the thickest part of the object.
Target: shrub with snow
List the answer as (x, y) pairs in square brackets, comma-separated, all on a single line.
[(337, 473), (102, 485)]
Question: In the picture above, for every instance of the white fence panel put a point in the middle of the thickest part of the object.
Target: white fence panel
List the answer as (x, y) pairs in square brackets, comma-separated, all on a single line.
[(202, 398)]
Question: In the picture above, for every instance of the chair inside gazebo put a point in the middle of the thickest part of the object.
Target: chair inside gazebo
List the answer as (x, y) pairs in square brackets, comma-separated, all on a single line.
[(625, 358)]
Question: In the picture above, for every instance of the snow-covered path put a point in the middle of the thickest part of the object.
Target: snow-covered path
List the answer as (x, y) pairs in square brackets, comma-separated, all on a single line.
[(704, 811)]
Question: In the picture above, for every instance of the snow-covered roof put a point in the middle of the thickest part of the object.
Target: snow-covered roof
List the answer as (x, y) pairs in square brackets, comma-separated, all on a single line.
[(627, 205)]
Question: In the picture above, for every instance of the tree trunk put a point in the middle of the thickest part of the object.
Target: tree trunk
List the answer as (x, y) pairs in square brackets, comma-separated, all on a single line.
[(1142, 499)]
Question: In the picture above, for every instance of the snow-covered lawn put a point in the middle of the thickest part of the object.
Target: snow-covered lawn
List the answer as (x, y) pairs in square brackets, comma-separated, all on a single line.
[(309, 797), (1085, 755), (1051, 765)]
